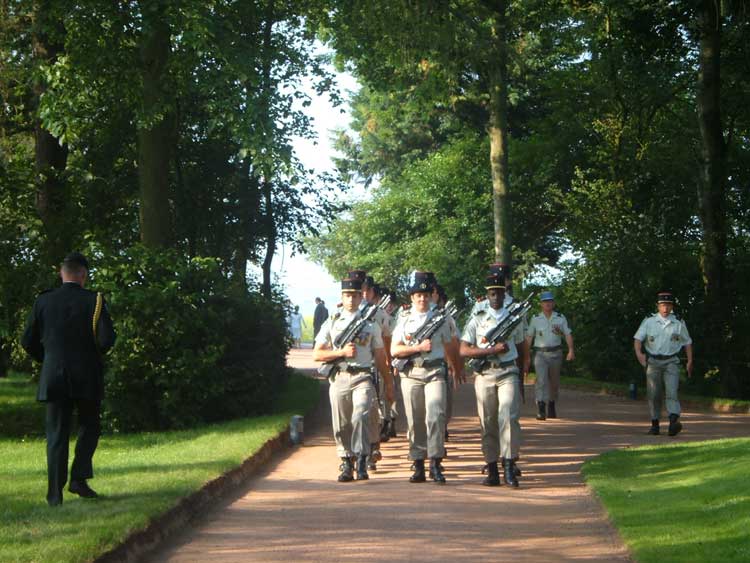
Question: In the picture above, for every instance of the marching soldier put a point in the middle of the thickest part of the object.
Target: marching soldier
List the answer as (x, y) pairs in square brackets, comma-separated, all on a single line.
[(69, 330), (663, 334), (352, 391), (546, 331), (497, 385), (423, 381)]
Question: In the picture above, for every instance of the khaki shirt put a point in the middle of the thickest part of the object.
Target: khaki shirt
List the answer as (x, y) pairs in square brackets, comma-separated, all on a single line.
[(410, 322), (482, 322), (547, 332), (663, 336), (369, 340)]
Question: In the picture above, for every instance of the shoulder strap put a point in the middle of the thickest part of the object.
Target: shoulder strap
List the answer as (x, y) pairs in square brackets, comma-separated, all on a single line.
[(97, 311)]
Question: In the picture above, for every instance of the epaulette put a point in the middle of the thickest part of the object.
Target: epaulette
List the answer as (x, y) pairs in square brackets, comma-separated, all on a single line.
[(406, 306), (45, 291), (335, 316), (481, 312), (481, 298)]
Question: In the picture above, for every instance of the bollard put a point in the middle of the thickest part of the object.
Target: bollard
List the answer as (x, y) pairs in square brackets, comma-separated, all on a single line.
[(633, 388), (297, 429)]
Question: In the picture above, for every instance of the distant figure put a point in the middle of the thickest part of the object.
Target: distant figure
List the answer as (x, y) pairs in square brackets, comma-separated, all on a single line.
[(296, 322), (320, 316), (69, 329)]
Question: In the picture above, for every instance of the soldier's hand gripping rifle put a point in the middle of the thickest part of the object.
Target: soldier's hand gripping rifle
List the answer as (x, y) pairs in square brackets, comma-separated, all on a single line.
[(424, 332), (502, 331), (351, 332)]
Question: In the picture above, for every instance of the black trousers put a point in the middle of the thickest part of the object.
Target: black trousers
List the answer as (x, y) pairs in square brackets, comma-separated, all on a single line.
[(59, 416)]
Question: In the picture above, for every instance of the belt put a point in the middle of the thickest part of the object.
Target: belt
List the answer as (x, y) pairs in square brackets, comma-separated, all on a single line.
[(428, 364), (548, 348), (497, 365), (353, 370), (661, 356)]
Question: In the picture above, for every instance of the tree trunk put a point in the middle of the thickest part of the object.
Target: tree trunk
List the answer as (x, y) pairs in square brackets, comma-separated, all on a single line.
[(497, 129), (267, 188), (154, 132), (270, 228), (51, 156), (249, 202), (712, 193)]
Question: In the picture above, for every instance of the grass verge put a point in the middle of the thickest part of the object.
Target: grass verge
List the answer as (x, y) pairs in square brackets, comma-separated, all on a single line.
[(140, 476), (686, 502), (716, 403), (20, 413)]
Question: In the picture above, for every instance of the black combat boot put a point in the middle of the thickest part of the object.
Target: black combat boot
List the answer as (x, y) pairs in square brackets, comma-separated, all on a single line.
[(392, 429), (385, 433), (654, 430), (516, 469), (551, 412), (674, 424), (510, 473), (418, 475), (542, 414), (436, 471), (493, 475), (347, 470), (374, 457), (362, 468)]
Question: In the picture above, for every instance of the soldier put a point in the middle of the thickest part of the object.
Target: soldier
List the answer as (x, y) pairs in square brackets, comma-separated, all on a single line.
[(664, 335), (497, 386), (69, 330), (545, 331), (379, 416), (352, 390), (319, 316), (439, 300), (423, 381)]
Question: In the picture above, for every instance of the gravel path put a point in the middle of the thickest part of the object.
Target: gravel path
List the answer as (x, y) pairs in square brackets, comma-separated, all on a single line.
[(296, 511)]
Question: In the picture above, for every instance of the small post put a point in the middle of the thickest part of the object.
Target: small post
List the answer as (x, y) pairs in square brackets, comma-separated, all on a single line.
[(297, 430)]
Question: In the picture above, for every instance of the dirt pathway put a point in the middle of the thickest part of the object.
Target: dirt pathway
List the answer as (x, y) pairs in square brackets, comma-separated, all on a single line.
[(296, 511)]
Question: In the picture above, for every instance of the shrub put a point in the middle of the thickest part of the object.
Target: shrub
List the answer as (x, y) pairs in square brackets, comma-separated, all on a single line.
[(188, 349)]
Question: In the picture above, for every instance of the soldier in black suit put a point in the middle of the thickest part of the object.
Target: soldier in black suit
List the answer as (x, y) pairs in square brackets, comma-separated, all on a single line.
[(69, 329)]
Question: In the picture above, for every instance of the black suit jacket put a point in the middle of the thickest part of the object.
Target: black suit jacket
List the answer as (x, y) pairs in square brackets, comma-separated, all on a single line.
[(60, 334), (320, 316)]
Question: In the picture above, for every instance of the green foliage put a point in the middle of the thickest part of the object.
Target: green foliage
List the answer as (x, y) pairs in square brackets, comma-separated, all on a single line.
[(187, 352), (685, 502)]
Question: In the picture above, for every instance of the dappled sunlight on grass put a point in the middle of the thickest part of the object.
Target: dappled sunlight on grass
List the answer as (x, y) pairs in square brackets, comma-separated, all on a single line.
[(682, 502)]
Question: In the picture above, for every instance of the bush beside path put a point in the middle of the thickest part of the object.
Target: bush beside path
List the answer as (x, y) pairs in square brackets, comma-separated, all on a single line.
[(297, 511)]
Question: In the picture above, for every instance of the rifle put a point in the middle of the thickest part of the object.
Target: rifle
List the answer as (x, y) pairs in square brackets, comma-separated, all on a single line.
[(500, 332), (428, 328), (350, 333)]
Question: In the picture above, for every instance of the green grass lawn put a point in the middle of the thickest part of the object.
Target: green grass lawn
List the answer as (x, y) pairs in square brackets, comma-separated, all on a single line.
[(622, 389), (20, 413), (681, 503), (139, 476)]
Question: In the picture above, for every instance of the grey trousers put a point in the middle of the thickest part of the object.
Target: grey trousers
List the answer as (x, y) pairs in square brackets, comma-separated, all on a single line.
[(351, 396), (499, 406), (662, 374), (547, 368), (424, 392)]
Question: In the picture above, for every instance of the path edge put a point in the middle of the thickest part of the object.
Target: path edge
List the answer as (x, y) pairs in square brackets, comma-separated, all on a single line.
[(139, 543), (145, 541)]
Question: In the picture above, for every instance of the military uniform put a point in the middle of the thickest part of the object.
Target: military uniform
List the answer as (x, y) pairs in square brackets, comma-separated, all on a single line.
[(60, 333), (498, 389), (424, 388), (663, 338), (546, 335), (352, 391)]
